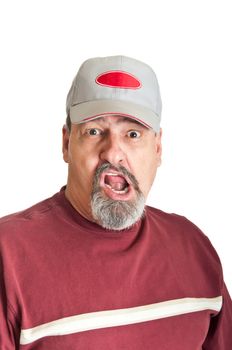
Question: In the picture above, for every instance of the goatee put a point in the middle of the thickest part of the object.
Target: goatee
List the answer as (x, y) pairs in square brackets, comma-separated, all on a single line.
[(116, 214)]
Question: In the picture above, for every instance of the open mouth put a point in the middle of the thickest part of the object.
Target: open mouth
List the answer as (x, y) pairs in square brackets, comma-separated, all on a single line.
[(116, 185)]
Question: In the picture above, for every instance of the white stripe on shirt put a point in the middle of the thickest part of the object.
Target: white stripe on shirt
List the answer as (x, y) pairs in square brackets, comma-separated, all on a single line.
[(119, 317)]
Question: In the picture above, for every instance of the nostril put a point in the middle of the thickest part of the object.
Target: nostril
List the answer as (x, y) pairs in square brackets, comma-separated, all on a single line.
[(113, 155)]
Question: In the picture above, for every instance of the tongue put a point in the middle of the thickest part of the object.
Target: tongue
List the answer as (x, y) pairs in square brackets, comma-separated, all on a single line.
[(118, 183)]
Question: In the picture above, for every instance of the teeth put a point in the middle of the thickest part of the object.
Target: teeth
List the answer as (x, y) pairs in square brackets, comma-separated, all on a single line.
[(115, 191)]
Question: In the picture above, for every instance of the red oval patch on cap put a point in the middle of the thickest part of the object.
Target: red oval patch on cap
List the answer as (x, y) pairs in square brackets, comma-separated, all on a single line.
[(118, 79)]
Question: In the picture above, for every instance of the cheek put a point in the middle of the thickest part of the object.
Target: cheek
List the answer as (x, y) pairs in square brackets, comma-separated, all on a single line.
[(145, 172), (82, 167)]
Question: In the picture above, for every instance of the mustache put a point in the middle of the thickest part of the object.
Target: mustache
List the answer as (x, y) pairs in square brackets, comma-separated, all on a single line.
[(121, 169)]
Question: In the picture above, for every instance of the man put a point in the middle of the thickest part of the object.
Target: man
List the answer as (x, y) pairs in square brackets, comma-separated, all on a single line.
[(93, 267)]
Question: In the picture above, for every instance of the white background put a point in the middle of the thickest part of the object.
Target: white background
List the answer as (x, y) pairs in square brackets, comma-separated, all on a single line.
[(188, 43)]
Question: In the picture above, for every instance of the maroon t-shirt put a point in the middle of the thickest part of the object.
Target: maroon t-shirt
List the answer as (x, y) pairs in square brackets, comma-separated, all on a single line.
[(67, 283)]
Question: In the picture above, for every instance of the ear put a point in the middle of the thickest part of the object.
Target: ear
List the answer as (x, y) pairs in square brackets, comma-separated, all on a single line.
[(65, 143), (159, 147)]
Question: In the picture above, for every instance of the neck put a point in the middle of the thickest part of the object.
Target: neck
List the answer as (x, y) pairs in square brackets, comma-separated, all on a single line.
[(77, 205)]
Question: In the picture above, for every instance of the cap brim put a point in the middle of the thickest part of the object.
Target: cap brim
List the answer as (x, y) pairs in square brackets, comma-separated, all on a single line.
[(86, 111)]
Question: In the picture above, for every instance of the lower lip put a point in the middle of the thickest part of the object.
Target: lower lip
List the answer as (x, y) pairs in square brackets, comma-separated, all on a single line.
[(118, 196)]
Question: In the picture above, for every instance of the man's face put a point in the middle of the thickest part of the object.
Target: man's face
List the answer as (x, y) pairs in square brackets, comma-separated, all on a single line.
[(112, 162)]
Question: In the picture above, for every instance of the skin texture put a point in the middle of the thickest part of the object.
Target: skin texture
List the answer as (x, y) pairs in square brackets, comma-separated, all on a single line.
[(113, 139)]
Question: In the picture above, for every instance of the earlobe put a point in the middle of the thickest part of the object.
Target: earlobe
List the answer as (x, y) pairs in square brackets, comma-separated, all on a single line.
[(159, 147), (65, 143), (158, 137)]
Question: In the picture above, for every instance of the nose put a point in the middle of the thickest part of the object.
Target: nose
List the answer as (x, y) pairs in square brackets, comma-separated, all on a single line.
[(112, 150)]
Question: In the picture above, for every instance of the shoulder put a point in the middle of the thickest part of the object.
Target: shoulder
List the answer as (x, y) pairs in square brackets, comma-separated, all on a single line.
[(188, 247), (176, 227), (27, 219)]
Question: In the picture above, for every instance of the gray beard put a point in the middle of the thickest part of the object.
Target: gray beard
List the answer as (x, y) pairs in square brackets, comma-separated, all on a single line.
[(115, 214)]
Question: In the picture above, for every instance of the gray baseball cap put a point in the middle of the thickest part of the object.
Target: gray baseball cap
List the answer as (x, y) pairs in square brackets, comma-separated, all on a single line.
[(115, 85)]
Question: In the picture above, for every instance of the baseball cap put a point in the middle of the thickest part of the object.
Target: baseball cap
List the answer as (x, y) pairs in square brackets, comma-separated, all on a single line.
[(115, 85)]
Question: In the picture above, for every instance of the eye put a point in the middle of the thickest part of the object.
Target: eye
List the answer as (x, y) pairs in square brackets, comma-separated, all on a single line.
[(133, 134), (94, 132)]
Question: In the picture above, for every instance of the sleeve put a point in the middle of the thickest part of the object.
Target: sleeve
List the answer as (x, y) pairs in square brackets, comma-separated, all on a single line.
[(219, 336), (9, 330)]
